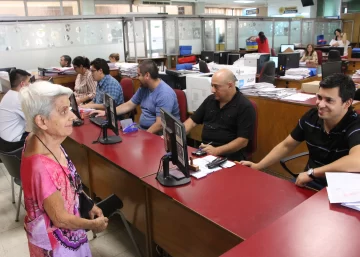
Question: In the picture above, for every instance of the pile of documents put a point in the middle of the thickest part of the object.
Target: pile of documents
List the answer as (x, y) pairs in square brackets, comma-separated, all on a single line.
[(344, 188), (128, 69), (59, 70), (267, 90), (296, 73), (201, 162), (299, 97), (356, 75)]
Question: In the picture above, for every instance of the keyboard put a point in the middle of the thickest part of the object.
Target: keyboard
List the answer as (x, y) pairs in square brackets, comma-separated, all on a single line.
[(98, 120)]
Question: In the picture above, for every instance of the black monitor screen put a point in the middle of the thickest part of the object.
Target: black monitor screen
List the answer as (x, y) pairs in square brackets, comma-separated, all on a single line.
[(329, 68), (74, 106), (110, 109), (175, 141), (233, 58), (207, 56), (288, 60)]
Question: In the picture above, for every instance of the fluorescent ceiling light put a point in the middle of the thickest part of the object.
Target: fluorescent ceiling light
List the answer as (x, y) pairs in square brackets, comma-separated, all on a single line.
[(244, 2)]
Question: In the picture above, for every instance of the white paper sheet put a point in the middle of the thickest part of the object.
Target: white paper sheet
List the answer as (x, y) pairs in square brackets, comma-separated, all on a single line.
[(300, 97)]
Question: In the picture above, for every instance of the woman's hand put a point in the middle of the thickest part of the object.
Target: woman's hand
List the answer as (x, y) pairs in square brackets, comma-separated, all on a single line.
[(95, 212), (100, 224)]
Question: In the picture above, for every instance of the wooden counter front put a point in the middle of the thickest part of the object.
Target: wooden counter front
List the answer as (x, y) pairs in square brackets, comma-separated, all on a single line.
[(292, 83)]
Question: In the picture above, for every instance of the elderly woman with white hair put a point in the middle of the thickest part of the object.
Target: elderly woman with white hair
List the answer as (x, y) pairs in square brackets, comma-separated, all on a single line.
[(51, 184)]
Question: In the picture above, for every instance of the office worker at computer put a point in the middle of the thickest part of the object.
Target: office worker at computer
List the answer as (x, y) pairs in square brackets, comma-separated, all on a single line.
[(263, 43), (12, 121), (85, 85), (228, 118), (152, 95), (106, 84), (331, 132), (65, 61), (310, 55)]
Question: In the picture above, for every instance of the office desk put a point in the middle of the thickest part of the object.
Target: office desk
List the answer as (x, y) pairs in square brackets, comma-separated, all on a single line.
[(291, 83), (354, 65), (276, 120), (68, 80), (213, 214), (314, 228)]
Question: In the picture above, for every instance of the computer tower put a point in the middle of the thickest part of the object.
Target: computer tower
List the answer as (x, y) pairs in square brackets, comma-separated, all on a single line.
[(287, 61), (221, 57)]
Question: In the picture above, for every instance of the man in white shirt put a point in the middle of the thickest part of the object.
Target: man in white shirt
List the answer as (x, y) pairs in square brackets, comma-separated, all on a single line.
[(12, 122)]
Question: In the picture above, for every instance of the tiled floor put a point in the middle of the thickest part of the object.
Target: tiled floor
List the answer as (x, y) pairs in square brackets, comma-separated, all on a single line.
[(114, 241)]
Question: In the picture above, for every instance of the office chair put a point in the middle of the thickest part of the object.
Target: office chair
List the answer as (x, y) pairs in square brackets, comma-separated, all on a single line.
[(203, 67), (267, 73), (181, 98), (334, 56), (7, 69), (319, 54), (273, 53), (128, 91), (12, 162), (252, 144)]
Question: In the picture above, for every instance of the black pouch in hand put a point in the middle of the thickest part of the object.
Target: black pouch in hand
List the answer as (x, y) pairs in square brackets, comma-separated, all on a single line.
[(86, 205)]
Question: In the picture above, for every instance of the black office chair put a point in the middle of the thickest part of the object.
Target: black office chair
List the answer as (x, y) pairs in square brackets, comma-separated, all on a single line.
[(290, 158), (267, 73), (112, 205), (12, 162), (203, 67), (334, 56)]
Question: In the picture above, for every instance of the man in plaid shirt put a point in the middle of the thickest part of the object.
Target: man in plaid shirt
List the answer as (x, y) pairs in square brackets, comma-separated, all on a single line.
[(106, 84)]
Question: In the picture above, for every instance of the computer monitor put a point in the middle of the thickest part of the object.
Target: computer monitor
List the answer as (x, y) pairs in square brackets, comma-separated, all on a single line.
[(340, 49), (275, 60), (232, 58), (221, 57), (329, 68), (110, 110), (287, 61), (175, 145), (203, 67), (74, 106), (283, 47), (207, 56)]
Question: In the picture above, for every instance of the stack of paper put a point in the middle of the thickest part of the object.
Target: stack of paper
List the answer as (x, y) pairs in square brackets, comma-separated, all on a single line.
[(201, 162), (300, 97), (298, 72), (356, 75), (276, 93), (63, 70), (344, 188), (128, 69)]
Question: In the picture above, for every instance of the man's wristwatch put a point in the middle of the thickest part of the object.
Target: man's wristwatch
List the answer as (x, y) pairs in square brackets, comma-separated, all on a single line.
[(310, 173)]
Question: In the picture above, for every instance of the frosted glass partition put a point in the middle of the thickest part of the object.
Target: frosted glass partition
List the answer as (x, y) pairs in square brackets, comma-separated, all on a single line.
[(295, 32), (170, 35), (230, 35), (29, 45), (327, 29), (190, 34), (281, 34), (220, 35), (155, 37), (248, 28), (209, 35), (139, 39), (307, 32)]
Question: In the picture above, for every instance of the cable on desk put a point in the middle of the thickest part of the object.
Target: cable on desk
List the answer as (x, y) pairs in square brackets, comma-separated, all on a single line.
[(97, 140)]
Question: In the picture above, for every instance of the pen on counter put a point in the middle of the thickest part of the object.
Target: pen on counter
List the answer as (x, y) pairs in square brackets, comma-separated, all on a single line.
[(206, 144)]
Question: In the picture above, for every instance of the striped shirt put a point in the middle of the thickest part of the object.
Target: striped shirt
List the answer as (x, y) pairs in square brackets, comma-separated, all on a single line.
[(325, 148), (85, 85), (110, 86)]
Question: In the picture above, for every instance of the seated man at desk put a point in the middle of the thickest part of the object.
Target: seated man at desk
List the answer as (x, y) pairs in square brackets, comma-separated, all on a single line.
[(152, 95), (65, 61), (331, 132), (106, 84), (228, 118), (12, 121)]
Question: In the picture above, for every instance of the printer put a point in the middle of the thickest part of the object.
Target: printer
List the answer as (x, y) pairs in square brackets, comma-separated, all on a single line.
[(256, 60)]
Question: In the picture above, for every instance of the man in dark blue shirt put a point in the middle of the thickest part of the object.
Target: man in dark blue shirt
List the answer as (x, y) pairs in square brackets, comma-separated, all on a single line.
[(106, 84), (331, 132)]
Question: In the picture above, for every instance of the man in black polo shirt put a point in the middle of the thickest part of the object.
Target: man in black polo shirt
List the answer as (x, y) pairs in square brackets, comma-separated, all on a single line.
[(228, 118), (331, 132)]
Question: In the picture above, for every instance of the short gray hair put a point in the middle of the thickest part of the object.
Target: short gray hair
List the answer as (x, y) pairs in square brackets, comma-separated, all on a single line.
[(38, 99)]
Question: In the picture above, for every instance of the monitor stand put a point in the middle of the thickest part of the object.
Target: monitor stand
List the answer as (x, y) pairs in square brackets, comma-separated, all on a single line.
[(108, 140), (166, 179)]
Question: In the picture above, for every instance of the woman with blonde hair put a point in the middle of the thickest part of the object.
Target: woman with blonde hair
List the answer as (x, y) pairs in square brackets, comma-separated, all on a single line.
[(51, 185), (114, 57)]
